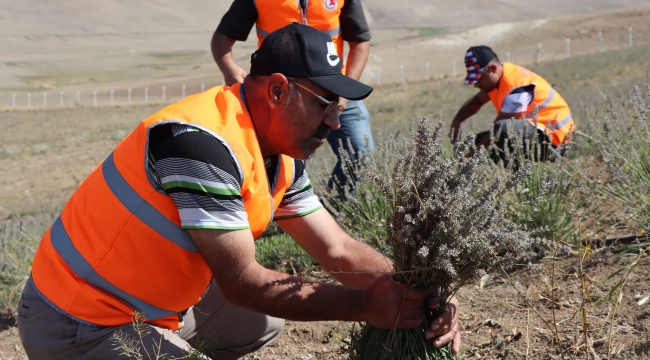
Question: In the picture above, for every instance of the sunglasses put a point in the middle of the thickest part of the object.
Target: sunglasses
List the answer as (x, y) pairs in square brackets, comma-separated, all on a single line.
[(329, 105)]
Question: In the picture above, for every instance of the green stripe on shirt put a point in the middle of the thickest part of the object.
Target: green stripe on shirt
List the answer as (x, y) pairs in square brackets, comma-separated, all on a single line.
[(196, 186)]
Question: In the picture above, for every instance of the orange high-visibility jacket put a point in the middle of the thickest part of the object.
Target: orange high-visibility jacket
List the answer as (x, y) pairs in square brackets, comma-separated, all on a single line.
[(554, 114), (118, 247), (322, 15)]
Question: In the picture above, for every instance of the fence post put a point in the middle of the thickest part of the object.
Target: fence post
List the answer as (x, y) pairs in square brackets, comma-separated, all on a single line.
[(401, 73), (568, 46), (600, 40), (13, 100), (78, 97), (130, 95), (29, 100), (112, 91), (426, 70), (508, 56), (378, 75), (202, 87), (146, 94), (629, 37), (453, 68), (95, 98), (183, 91), (61, 98), (164, 93), (44, 99)]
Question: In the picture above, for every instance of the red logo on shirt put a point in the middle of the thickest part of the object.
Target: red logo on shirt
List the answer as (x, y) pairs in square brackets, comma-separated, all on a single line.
[(330, 5)]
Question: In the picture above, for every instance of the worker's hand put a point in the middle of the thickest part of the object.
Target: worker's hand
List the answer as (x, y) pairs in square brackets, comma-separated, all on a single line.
[(234, 74), (445, 328), (385, 300), (454, 130), (343, 103)]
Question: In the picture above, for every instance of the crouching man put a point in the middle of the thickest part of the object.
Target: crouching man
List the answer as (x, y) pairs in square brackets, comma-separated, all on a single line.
[(515, 92), (165, 226)]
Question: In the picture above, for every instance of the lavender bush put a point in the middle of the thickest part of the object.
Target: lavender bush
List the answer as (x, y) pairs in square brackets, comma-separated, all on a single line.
[(624, 147), (445, 230)]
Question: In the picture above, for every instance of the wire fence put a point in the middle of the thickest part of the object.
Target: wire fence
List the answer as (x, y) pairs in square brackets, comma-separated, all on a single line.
[(372, 75)]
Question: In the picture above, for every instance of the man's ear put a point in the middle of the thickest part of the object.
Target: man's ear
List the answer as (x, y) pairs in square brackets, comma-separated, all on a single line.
[(277, 90), (493, 67)]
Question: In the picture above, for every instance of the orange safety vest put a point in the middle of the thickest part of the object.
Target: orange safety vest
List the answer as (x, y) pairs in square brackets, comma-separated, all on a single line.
[(554, 115), (118, 247), (322, 15)]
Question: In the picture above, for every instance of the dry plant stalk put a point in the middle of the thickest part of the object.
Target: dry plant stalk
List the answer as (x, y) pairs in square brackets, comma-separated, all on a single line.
[(446, 229), (621, 285)]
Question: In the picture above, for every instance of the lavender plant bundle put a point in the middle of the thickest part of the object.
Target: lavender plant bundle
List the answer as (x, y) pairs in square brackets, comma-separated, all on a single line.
[(446, 230)]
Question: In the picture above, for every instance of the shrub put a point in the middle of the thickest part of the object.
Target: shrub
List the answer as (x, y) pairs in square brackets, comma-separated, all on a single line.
[(446, 229), (19, 239), (624, 147), (280, 252)]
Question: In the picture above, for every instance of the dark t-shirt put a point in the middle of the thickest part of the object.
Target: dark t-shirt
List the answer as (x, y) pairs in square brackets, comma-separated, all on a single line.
[(242, 15)]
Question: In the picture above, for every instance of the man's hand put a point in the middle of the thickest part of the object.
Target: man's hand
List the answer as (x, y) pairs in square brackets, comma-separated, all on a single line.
[(386, 300), (233, 74), (343, 103), (469, 108), (221, 47), (445, 328), (454, 130)]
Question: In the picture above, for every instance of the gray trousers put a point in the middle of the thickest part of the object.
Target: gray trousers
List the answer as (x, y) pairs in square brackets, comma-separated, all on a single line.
[(221, 330)]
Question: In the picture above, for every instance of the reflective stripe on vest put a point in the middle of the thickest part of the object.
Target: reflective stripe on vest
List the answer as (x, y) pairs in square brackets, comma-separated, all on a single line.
[(548, 100), (551, 107), (142, 209), (118, 246), (63, 245), (562, 123)]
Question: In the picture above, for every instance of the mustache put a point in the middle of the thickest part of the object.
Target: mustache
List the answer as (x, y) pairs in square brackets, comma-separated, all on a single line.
[(322, 131)]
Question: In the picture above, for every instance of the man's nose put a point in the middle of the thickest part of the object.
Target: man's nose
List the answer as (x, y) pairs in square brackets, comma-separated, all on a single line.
[(332, 120)]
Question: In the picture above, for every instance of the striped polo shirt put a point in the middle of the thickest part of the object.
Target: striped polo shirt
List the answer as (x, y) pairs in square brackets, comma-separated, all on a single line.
[(200, 175)]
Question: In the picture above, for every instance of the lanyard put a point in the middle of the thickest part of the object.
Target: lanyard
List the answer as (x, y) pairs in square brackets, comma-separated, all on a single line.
[(303, 4)]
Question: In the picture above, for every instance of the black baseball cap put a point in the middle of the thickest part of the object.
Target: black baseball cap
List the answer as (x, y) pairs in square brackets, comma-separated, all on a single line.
[(301, 51)]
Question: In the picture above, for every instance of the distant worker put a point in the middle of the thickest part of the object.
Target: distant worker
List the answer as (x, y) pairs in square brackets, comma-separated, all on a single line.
[(342, 20), (515, 92), (164, 228)]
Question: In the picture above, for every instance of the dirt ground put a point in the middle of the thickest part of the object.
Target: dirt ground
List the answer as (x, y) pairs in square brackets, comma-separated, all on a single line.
[(496, 321)]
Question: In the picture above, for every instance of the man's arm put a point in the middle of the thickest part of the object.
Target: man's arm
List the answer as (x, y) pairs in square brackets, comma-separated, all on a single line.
[(356, 264), (469, 108), (244, 282), (357, 59), (221, 46), (354, 30), (235, 25), (349, 261)]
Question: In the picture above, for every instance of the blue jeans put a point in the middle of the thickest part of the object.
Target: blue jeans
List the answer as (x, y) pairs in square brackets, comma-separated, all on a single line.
[(355, 125)]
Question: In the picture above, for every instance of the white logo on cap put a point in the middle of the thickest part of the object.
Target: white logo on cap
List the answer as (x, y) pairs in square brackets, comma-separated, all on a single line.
[(330, 5), (332, 55)]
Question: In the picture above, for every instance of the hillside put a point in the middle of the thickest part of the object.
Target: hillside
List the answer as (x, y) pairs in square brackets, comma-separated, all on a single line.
[(131, 43)]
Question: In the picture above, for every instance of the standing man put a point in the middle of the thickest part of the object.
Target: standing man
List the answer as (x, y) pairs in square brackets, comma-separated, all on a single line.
[(342, 20), (164, 229), (515, 92)]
